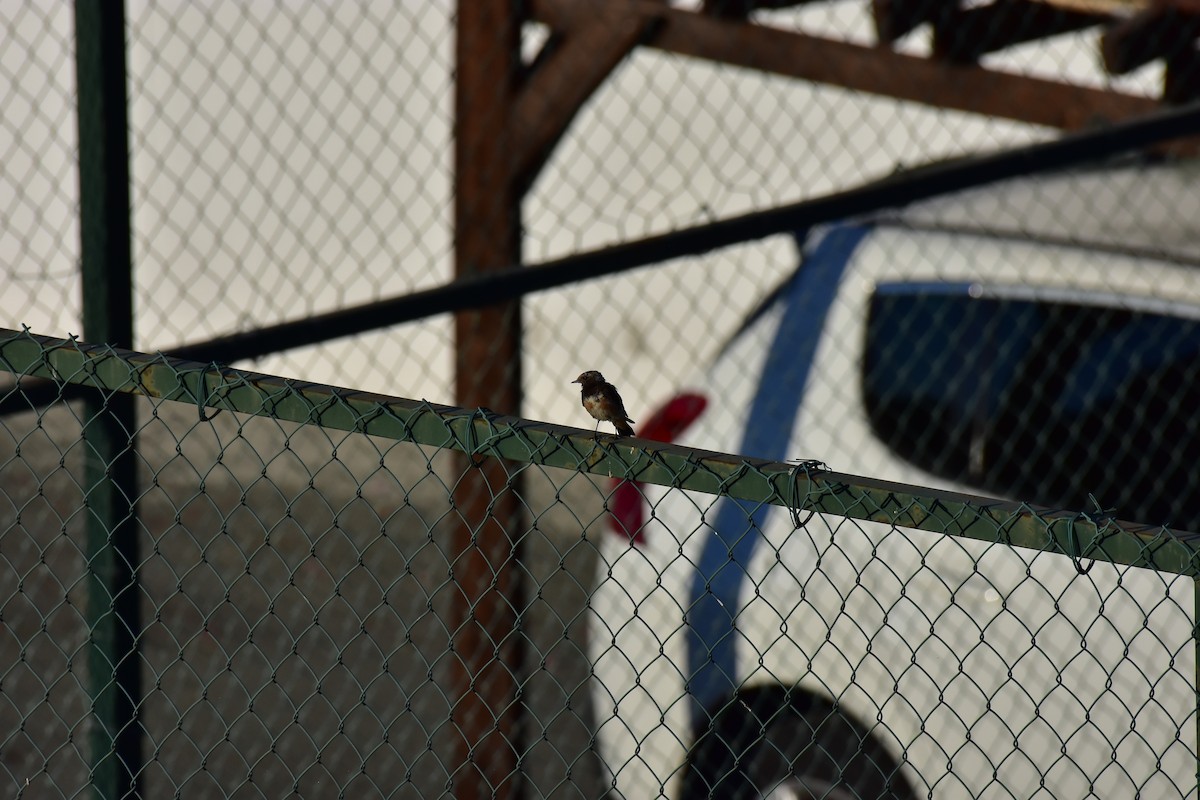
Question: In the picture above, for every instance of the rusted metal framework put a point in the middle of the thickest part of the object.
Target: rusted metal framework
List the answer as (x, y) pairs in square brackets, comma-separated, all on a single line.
[(1133, 32)]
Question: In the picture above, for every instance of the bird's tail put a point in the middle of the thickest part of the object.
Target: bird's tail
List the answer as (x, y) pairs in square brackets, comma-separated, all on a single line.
[(623, 428)]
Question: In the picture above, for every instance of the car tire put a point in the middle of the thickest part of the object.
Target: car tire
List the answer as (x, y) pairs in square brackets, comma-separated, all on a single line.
[(779, 742)]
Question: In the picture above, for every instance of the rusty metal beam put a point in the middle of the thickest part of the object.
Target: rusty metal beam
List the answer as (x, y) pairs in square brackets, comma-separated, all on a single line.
[(740, 9), (487, 656), (584, 49), (1181, 80), (869, 69), (1099, 6), (895, 18), (968, 33), (1162, 32), (508, 118)]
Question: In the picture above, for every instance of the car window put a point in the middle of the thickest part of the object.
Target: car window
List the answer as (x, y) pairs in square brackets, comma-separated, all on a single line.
[(1042, 397)]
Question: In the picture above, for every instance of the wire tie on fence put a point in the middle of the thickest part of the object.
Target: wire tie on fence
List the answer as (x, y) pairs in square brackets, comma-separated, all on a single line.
[(1073, 545), (1100, 518), (472, 439), (221, 391), (73, 338), (200, 402), (56, 375), (803, 466), (426, 407)]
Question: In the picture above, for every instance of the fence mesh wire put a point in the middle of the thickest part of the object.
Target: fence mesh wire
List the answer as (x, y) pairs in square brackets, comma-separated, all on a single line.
[(312, 615), (296, 588)]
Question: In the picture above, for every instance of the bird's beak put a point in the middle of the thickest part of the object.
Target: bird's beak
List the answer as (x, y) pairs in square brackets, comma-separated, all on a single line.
[(577, 381)]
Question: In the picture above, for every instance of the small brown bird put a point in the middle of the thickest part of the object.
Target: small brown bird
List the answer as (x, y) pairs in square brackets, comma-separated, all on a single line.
[(601, 400)]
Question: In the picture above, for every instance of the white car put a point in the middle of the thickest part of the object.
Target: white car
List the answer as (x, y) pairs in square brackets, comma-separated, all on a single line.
[(1037, 339)]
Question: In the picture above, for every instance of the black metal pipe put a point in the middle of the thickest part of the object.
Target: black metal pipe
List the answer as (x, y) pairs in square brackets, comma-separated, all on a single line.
[(894, 191)]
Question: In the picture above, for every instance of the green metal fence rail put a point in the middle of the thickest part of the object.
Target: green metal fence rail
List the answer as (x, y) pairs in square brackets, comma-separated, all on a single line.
[(36, 500), (804, 487)]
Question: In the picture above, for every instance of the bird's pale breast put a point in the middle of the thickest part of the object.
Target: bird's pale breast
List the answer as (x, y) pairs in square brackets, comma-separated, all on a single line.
[(595, 405)]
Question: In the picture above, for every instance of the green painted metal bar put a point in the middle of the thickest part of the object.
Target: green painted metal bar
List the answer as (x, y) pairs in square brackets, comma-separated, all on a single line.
[(479, 431), (114, 675)]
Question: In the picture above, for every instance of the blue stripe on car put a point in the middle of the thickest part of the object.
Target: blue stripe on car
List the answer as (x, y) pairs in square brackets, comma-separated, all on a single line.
[(714, 598)]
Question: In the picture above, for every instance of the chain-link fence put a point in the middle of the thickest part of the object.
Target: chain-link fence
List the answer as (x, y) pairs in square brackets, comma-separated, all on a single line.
[(838, 230), (778, 626)]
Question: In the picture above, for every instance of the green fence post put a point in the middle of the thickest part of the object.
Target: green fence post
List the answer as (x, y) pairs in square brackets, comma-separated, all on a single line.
[(108, 430)]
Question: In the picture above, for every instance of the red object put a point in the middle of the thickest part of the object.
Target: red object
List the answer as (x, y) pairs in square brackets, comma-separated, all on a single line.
[(627, 509)]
